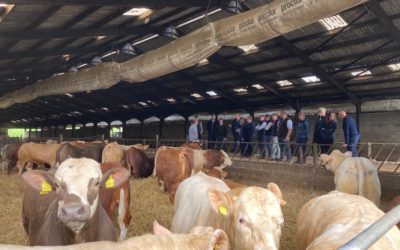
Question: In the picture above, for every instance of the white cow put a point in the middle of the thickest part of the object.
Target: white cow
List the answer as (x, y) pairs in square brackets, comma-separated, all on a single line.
[(200, 238), (329, 221), (251, 216), (354, 175)]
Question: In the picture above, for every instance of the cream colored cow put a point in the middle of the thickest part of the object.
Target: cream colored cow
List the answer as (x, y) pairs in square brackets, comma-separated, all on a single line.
[(251, 216), (329, 221), (354, 175), (200, 238)]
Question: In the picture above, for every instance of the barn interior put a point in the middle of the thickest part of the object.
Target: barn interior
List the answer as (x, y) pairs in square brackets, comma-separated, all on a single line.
[(347, 60)]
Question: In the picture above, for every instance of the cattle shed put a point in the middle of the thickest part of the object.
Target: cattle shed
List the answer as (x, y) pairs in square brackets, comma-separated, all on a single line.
[(136, 71)]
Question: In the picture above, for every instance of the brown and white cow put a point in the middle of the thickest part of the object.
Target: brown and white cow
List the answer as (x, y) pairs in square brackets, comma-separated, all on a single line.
[(64, 209), (354, 175), (37, 153), (114, 152), (173, 165), (138, 163), (193, 145), (251, 216), (200, 238), (118, 199), (221, 174), (329, 221), (89, 150)]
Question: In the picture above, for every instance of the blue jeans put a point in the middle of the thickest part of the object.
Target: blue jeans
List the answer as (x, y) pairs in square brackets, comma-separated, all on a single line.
[(352, 146), (285, 149), (268, 140)]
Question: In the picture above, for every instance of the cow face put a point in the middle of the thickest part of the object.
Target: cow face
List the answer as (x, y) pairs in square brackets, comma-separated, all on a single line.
[(334, 159), (76, 184), (253, 215), (226, 160)]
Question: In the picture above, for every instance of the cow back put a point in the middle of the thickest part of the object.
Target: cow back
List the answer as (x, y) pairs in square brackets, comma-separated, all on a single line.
[(89, 150), (113, 152), (38, 153), (139, 164), (213, 158)]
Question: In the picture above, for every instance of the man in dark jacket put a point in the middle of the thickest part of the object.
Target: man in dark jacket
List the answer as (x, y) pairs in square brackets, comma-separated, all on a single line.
[(327, 135), (248, 131), (269, 134), (221, 134), (260, 128), (351, 133), (321, 118), (302, 137), (285, 128), (211, 124), (235, 127), (199, 126)]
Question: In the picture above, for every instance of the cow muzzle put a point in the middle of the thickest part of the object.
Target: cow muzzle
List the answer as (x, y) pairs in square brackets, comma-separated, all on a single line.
[(74, 214)]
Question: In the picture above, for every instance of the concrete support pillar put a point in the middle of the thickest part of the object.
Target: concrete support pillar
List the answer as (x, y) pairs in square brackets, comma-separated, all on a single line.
[(124, 132), (358, 113), (186, 127), (141, 128), (73, 131), (94, 129), (55, 131), (29, 133), (162, 127), (41, 132), (108, 130)]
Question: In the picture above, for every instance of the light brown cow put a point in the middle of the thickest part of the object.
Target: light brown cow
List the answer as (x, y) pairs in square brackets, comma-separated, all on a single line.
[(193, 145), (354, 175), (173, 165), (114, 152), (200, 238), (331, 220), (37, 153), (221, 174), (251, 217), (392, 204)]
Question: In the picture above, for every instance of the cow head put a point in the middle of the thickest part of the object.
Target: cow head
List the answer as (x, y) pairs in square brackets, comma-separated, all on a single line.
[(253, 215), (334, 159), (217, 239), (76, 184), (226, 160)]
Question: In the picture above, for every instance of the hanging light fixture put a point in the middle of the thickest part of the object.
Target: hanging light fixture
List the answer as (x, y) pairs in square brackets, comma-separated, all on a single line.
[(171, 32), (128, 49), (96, 61), (73, 69), (234, 6)]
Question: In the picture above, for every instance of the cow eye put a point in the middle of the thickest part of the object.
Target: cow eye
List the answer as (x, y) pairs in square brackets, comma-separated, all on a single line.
[(97, 183), (56, 186)]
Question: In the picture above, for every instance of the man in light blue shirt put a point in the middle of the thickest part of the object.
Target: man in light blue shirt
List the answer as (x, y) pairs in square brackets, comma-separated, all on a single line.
[(193, 132)]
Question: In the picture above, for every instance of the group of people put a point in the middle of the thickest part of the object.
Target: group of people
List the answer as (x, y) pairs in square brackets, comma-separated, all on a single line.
[(274, 133)]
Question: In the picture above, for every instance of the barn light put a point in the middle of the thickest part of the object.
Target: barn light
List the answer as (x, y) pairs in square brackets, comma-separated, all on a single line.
[(234, 6), (73, 69), (136, 11), (128, 49), (145, 39), (203, 62), (66, 57), (196, 95), (69, 95), (394, 67), (105, 109), (257, 86), (361, 73), (59, 74), (171, 32), (108, 54), (143, 104), (198, 18), (240, 90), (171, 100), (3, 5), (310, 79), (125, 106), (98, 38), (211, 93), (333, 22), (284, 83), (91, 111), (248, 48)]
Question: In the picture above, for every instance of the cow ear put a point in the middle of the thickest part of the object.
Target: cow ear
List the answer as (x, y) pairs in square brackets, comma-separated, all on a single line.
[(325, 157), (39, 180), (219, 240), (348, 154), (219, 201), (160, 230), (114, 178), (145, 147), (274, 188)]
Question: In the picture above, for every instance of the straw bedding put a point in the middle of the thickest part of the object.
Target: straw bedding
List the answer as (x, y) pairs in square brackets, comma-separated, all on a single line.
[(147, 204)]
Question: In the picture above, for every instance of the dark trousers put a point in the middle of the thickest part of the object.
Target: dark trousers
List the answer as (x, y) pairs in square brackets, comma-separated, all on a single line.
[(261, 145), (353, 145), (221, 143), (235, 144), (246, 148), (285, 149), (326, 145), (211, 142), (302, 148), (268, 141)]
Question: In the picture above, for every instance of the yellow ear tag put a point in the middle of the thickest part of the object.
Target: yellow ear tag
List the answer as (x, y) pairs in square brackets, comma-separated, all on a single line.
[(216, 247), (223, 210), (110, 182), (46, 188)]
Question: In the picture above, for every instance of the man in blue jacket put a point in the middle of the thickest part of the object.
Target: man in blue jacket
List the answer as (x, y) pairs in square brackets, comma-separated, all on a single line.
[(302, 137), (248, 131), (235, 127), (351, 134)]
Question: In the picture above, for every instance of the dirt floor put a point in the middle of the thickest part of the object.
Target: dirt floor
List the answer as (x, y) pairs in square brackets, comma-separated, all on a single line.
[(147, 204)]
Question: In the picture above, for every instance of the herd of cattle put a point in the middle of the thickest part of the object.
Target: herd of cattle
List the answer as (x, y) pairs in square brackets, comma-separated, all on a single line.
[(88, 182)]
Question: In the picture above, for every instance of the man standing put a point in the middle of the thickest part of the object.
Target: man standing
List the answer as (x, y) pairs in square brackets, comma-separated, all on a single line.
[(211, 124), (328, 129), (269, 134), (321, 118), (248, 131), (285, 128), (221, 134), (302, 137), (193, 132), (261, 135), (199, 126), (351, 133), (235, 127)]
